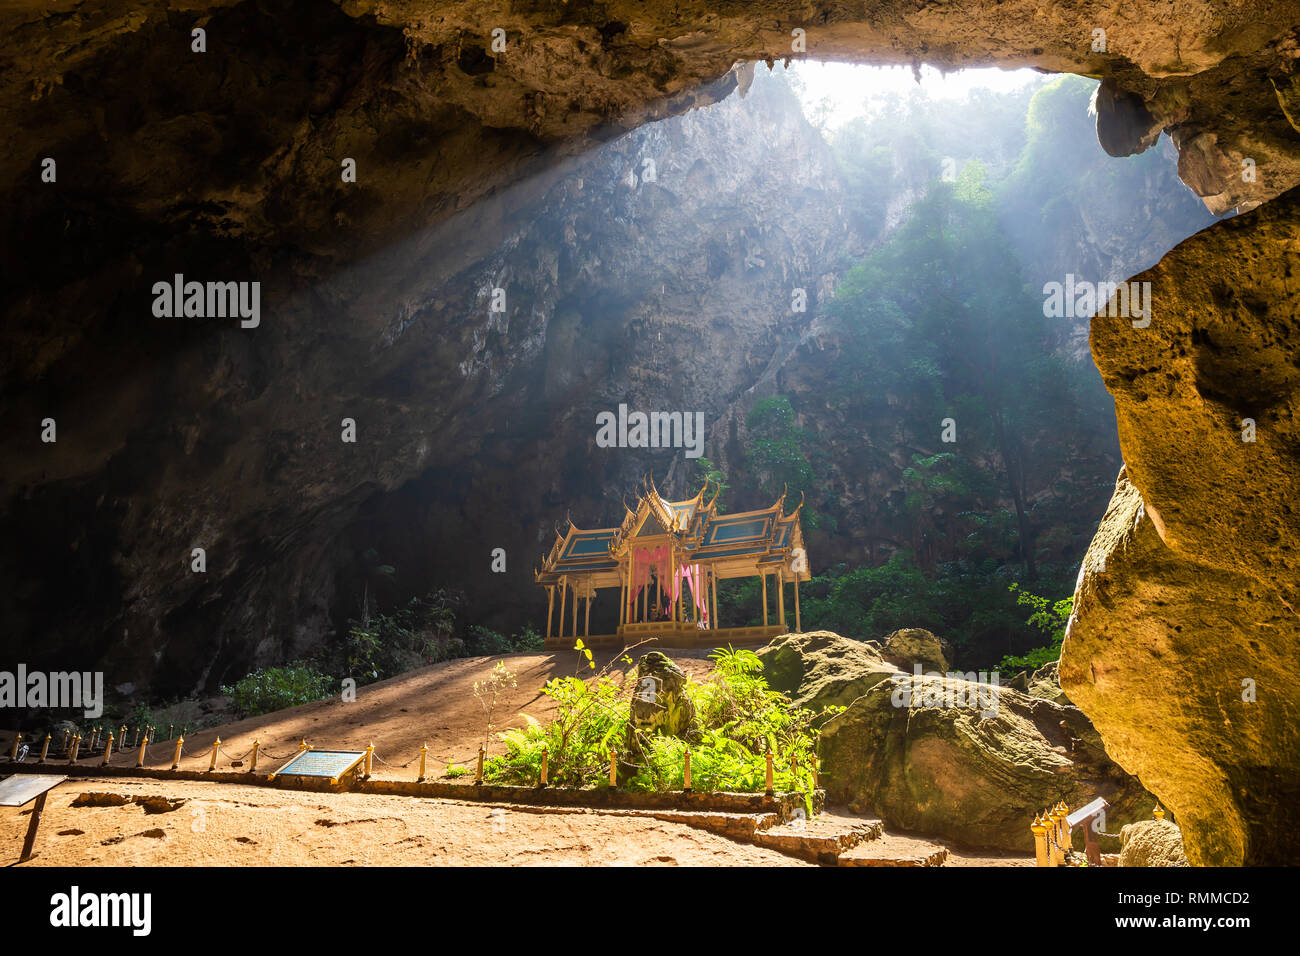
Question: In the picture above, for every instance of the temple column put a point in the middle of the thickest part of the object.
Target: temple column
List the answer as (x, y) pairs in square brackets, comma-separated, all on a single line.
[(713, 580), (586, 627), (550, 608), (564, 592), (797, 624), (575, 612), (780, 597), (763, 576)]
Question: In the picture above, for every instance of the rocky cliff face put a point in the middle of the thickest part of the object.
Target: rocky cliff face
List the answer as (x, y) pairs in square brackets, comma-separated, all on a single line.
[(1184, 645), (657, 272), (226, 165)]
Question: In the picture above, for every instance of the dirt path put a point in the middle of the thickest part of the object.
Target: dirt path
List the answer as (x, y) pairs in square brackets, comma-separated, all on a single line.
[(434, 705), (235, 825)]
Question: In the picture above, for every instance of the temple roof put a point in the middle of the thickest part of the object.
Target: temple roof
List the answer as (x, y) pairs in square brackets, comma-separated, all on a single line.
[(735, 544)]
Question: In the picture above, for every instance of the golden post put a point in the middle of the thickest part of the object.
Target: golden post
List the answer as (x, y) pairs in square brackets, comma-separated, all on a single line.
[(135, 740), (545, 756), (424, 753), (770, 789), (1158, 812), (478, 774), (176, 757), (686, 773), (144, 746), (1040, 840), (45, 749), (108, 749), (13, 754), (252, 767), (370, 753), (76, 745), (213, 765), (169, 731), (613, 767), (94, 736), (816, 770), (302, 746), (121, 737), (64, 746)]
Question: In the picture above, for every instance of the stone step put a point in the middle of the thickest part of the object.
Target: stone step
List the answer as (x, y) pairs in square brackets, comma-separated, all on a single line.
[(892, 849), (823, 838)]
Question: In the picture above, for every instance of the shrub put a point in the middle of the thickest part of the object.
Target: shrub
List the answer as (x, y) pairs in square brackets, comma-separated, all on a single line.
[(738, 719), (274, 688)]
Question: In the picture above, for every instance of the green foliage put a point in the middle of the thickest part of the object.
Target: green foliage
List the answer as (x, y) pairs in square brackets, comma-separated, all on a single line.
[(738, 719), (715, 476), (1050, 618), (967, 601), (421, 632), (274, 688)]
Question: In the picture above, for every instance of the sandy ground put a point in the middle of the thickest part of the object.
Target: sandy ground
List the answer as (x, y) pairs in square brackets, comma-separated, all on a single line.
[(235, 825), (434, 705)]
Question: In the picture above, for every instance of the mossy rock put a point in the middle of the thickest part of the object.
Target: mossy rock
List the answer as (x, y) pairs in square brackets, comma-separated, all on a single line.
[(822, 669), (975, 775)]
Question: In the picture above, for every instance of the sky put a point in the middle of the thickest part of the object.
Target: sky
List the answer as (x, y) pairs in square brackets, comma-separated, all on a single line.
[(847, 86)]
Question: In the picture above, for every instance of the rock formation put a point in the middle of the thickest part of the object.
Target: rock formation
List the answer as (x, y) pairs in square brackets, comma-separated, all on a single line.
[(820, 669), (1185, 638), (1151, 843), (969, 763)]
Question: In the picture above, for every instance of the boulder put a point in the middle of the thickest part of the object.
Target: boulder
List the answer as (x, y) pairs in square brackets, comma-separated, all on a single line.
[(820, 669), (1151, 843), (660, 704), (915, 645), (1045, 683), (969, 761)]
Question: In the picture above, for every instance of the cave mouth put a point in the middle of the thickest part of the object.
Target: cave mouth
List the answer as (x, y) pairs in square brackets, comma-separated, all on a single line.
[(659, 271)]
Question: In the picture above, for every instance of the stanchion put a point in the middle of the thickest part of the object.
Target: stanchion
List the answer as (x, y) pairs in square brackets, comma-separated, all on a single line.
[(1158, 812), (13, 754), (370, 753), (169, 731), (478, 774), (108, 749), (144, 747), (45, 749), (213, 765), (541, 782), (613, 767), (424, 753), (176, 757), (771, 790), (253, 767), (686, 774), (94, 738), (1040, 840), (64, 746), (76, 746)]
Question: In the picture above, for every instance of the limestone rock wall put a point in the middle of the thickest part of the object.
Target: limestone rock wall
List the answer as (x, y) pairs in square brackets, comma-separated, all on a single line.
[(1185, 639)]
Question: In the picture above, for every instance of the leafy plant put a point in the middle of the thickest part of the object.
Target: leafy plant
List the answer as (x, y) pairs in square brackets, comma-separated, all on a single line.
[(274, 688)]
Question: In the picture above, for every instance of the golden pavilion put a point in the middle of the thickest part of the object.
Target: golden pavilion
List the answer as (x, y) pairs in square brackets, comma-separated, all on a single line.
[(666, 559)]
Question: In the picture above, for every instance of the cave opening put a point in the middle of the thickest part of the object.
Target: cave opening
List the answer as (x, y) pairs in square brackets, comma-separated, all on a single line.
[(780, 260)]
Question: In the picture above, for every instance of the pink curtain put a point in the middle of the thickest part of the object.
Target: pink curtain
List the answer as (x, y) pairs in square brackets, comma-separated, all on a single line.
[(695, 575), (643, 559)]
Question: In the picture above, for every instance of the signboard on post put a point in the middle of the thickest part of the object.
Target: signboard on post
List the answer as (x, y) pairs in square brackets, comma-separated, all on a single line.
[(333, 764), (20, 789)]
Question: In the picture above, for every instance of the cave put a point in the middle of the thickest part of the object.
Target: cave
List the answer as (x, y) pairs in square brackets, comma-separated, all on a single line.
[(372, 176)]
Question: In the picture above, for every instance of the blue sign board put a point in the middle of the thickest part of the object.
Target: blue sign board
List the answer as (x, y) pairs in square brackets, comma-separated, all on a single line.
[(321, 763)]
